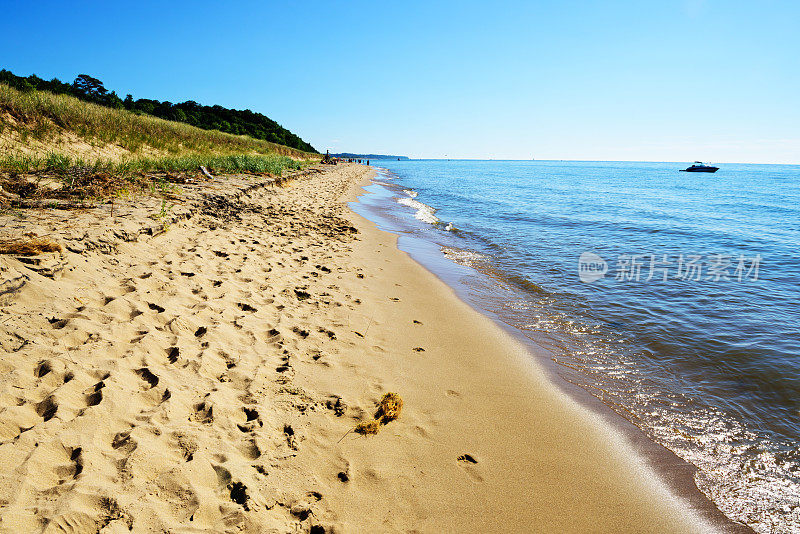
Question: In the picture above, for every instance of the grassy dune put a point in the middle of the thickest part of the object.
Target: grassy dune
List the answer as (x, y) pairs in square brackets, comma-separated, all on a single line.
[(41, 131)]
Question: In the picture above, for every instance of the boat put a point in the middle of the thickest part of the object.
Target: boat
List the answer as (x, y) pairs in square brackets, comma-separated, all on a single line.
[(699, 166)]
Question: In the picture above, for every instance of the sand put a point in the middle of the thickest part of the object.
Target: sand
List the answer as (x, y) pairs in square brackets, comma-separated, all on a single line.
[(206, 379)]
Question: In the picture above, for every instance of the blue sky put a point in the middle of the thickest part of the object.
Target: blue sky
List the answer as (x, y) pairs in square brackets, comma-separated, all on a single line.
[(673, 80)]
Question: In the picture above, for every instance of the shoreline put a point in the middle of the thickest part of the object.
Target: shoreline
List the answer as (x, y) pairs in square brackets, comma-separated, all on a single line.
[(209, 377), (675, 472)]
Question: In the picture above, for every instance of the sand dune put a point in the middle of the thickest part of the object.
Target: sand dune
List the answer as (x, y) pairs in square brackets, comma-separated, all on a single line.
[(206, 379)]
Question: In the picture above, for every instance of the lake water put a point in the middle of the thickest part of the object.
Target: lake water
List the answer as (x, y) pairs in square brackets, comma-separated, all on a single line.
[(671, 296)]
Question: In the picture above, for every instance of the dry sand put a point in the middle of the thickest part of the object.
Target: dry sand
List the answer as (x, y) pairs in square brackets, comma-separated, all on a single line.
[(202, 380)]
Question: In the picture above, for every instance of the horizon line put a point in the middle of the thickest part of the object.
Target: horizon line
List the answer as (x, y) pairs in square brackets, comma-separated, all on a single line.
[(410, 158)]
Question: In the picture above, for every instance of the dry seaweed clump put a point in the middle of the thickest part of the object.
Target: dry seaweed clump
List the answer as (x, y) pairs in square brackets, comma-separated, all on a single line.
[(366, 428), (388, 410), (29, 247)]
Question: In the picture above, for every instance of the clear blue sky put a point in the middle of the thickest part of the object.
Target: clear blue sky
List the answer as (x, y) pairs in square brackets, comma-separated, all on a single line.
[(672, 80)]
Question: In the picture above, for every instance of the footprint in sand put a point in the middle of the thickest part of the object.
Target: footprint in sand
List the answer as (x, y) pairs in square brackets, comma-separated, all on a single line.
[(187, 446), (47, 408), (468, 462), (122, 441), (95, 396), (285, 365), (246, 307), (291, 439), (139, 336), (302, 333), (251, 414), (75, 456), (58, 324), (330, 334), (317, 356), (238, 493), (230, 363), (172, 354), (204, 413), (301, 295), (335, 404), (145, 374), (42, 369), (250, 450)]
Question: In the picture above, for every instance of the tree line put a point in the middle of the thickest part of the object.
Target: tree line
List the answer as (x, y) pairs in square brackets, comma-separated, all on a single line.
[(234, 121)]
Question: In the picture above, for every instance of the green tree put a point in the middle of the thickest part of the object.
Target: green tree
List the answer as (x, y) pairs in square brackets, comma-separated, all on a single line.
[(88, 86)]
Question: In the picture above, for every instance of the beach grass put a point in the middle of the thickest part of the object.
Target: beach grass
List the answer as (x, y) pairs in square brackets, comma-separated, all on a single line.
[(59, 163), (44, 117), (72, 140)]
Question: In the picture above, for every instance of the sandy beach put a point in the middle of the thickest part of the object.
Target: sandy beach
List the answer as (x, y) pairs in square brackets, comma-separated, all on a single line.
[(207, 378)]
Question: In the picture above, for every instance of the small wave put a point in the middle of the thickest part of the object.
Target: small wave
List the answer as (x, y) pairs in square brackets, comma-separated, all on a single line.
[(466, 257), (484, 264), (424, 212)]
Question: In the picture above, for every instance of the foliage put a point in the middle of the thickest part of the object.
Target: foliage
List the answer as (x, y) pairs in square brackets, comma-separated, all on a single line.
[(64, 165), (42, 114), (237, 122)]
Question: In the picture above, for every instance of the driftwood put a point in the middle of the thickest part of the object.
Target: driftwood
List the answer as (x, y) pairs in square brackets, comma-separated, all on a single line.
[(206, 173), (7, 195), (52, 203)]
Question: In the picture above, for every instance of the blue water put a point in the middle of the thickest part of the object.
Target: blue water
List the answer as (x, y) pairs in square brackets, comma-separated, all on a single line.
[(706, 361)]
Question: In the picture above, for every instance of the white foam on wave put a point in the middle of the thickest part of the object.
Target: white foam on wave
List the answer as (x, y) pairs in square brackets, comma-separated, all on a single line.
[(466, 257), (423, 212)]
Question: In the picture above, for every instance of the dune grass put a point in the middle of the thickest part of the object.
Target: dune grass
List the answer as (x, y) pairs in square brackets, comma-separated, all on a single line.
[(44, 117), (96, 150), (59, 163)]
